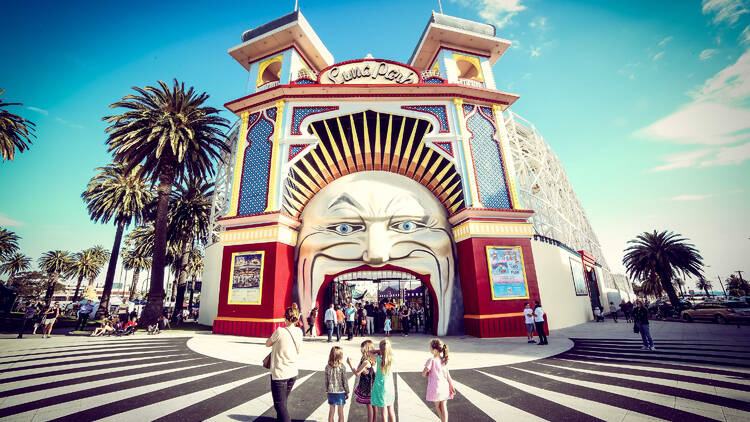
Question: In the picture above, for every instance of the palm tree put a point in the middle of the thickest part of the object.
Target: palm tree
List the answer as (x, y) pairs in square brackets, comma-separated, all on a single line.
[(8, 243), (195, 268), (120, 193), (664, 254), (680, 283), (13, 265), (189, 220), (652, 286), (86, 265), (15, 132), (136, 262), (55, 264), (175, 137), (737, 286), (705, 285), (142, 240)]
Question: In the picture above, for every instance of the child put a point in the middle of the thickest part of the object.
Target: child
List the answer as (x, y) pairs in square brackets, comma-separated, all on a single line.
[(598, 314), (366, 372), (439, 385), (336, 385), (382, 388), (387, 327)]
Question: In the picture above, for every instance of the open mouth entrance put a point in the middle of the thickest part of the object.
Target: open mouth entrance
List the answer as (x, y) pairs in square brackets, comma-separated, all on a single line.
[(392, 289)]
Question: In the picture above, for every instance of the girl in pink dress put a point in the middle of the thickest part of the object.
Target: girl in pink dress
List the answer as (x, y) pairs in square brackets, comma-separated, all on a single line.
[(439, 385)]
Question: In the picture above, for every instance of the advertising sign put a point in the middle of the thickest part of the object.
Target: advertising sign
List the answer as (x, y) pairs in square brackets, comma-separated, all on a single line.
[(579, 281), (246, 278), (507, 273)]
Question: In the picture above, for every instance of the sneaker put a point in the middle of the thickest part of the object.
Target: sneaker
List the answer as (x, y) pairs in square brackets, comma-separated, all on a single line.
[(652, 348), (531, 341), (645, 348)]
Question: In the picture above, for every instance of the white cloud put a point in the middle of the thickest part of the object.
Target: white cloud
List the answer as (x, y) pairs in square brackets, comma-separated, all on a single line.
[(498, 12), (745, 35), (9, 222), (538, 23), (690, 197), (67, 123), (703, 123), (725, 11), (526, 76), (38, 110), (682, 160), (706, 54), (731, 85), (535, 51), (658, 55), (728, 156), (664, 42)]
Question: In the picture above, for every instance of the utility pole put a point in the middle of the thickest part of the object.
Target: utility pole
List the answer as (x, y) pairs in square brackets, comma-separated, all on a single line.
[(740, 273), (722, 286)]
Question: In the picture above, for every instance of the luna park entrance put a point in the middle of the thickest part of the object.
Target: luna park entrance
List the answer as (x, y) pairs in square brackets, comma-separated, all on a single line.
[(385, 294)]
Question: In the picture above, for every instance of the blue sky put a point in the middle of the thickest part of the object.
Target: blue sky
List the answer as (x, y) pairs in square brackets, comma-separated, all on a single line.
[(647, 103)]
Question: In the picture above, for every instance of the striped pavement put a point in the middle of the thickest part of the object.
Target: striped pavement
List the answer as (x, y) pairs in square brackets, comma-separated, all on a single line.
[(160, 378)]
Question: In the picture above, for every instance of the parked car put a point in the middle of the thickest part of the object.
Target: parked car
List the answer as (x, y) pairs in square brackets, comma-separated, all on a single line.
[(719, 312)]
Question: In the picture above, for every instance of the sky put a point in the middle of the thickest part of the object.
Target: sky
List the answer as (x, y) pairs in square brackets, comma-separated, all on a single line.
[(646, 103)]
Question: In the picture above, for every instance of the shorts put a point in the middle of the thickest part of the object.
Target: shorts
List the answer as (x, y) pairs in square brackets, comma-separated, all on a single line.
[(530, 328), (49, 321), (337, 399)]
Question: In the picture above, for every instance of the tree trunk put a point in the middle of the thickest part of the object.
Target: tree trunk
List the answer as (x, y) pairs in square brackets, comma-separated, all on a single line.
[(78, 288), (136, 274), (52, 282), (192, 291), (155, 306), (109, 280), (182, 280), (669, 289)]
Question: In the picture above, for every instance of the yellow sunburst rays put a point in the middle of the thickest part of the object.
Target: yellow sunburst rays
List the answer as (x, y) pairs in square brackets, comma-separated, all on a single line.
[(397, 149), (378, 164), (368, 152)]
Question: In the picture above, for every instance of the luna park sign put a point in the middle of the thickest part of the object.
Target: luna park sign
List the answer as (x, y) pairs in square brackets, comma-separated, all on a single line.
[(369, 72)]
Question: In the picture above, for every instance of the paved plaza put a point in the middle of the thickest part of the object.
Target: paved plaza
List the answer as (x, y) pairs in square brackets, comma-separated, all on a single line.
[(593, 371)]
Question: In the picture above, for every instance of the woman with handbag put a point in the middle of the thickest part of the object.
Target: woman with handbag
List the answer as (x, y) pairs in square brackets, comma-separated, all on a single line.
[(282, 361)]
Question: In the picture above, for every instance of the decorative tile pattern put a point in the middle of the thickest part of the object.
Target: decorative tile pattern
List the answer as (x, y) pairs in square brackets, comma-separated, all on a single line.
[(434, 80), (445, 146), (300, 113), (488, 163), (256, 167), (438, 111), (304, 81), (271, 113), (487, 111), (468, 108), (295, 149)]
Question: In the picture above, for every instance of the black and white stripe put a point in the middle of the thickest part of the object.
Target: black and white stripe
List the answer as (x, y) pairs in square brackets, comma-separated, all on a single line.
[(145, 378)]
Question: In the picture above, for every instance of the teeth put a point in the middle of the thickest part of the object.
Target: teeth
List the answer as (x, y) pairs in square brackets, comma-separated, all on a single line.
[(386, 275)]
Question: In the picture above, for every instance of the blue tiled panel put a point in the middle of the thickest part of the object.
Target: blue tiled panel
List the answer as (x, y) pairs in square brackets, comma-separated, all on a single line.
[(304, 82), (467, 109), (490, 174), (271, 113), (437, 111), (447, 146), (487, 112), (295, 149), (300, 113), (255, 172), (434, 80)]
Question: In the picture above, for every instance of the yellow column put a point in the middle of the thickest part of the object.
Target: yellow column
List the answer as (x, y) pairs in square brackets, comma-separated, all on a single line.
[(508, 165), (238, 159), (274, 176), (468, 159)]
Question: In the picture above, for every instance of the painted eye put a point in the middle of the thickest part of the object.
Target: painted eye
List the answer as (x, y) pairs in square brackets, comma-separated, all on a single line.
[(344, 228), (406, 226)]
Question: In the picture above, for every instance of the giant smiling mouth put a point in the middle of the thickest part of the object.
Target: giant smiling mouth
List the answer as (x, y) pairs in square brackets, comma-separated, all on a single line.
[(387, 273)]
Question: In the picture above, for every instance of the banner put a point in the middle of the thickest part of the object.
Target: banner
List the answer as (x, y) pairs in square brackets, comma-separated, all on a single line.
[(506, 272), (246, 278), (579, 281)]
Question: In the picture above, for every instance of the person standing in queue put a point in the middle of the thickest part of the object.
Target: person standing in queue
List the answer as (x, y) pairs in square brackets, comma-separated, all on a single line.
[(285, 343), (528, 317), (330, 321), (539, 322), (339, 323)]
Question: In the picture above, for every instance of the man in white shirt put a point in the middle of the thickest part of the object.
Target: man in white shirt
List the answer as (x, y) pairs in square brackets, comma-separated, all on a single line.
[(539, 322), (330, 320), (528, 316)]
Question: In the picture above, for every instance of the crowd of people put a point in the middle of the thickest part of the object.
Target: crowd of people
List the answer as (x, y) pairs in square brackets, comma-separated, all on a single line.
[(365, 318), (375, 388)]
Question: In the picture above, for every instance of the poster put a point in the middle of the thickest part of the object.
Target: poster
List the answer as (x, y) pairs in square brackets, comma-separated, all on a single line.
[(246, 278), (507, 274), (579, 281)]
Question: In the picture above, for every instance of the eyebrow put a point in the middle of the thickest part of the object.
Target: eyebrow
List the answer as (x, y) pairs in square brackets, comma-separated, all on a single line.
[(348, 200)]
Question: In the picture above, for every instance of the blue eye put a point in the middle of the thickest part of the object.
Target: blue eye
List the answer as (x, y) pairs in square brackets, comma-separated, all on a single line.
[(406, 226), (345, 228)]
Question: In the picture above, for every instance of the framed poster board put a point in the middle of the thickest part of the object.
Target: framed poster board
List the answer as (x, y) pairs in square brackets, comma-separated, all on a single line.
[(507, 273), (245, 278), (579, 281)]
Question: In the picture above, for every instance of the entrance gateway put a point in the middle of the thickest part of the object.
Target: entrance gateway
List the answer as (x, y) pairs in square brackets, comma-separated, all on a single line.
[(372, 178)]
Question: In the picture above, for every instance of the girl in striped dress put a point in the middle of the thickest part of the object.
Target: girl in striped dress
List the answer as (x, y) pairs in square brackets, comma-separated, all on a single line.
[(383, 390), (366, 373)]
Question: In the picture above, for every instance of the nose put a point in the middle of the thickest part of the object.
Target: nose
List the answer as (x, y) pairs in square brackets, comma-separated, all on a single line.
[(378, 247)]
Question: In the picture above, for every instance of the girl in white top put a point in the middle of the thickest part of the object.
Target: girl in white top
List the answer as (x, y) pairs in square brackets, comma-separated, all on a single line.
[(528, 318), (286, 343), (539, 322)]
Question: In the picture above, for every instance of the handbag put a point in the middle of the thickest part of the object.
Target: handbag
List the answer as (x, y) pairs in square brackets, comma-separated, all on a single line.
[(267, 359), (636, 329)]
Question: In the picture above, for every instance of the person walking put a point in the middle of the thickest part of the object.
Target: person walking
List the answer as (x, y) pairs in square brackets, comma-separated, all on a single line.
[(285, 343), (640, 318), (311, 321), (370, 310), (366, 373), (528, 318), (339, 323), (439, 384), (83, 315), (539, 322), (405, 323), (628, 311), (613, 311), (330, 320), (29, 312), (349, 312), (50, 316), (337, 387), (383, 390)]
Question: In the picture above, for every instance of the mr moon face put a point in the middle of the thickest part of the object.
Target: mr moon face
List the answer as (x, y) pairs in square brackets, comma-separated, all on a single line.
[(376, 219)]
